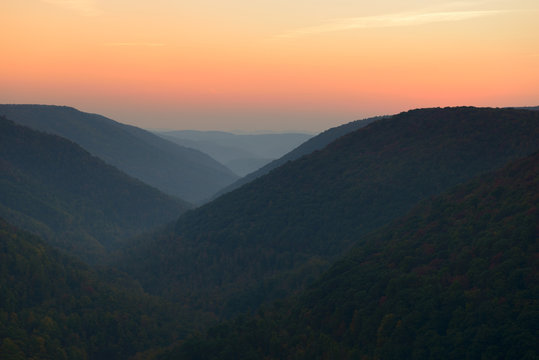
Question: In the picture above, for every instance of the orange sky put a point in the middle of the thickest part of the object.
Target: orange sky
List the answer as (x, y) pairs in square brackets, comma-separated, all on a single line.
[(267, 65)]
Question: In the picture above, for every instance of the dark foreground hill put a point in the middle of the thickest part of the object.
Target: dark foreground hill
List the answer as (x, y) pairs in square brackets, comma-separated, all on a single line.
[(175, 170), (54, 307), (456, 278), (53, 187), (317, 142), (275, 234)]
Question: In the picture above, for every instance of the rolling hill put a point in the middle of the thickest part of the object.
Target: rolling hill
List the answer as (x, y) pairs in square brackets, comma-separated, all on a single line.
[(175, 170), (456, 278), (272, 236), (53, 187)]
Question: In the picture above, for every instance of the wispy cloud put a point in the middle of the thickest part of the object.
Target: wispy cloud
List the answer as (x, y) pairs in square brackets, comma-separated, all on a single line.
[(84, 7), (390, 20), (149, 44)]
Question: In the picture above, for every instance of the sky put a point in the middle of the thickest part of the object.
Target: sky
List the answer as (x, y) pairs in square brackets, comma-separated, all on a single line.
[(267, 65)]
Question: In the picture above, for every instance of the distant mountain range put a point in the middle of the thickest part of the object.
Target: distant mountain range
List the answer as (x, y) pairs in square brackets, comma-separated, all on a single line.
[(242, 154), (532, 108), (53, 187), (274, 235), (456, 278), (317, 142), (179, 171)]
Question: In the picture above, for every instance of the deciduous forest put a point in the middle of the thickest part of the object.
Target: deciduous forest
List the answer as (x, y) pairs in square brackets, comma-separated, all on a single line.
[(411, 236)]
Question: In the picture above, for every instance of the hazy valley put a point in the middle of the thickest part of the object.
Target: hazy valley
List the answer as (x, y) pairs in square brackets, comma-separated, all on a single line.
[(242, 153), (405, 236)]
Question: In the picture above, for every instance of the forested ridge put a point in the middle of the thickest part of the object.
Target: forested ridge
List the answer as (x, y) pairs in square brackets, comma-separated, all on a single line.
[(456, 278), (271, 237), (402, 239), (175, 170), (317, 142), (51, 186)]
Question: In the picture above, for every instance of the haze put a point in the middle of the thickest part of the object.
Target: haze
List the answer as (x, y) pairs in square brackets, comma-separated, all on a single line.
[(267, 65)]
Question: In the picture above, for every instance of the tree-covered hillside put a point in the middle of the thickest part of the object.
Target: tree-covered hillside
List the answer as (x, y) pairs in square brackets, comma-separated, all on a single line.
[(173, 169), (277, 233), (317, 142), (52, 187), (54, 307), (456, 278)]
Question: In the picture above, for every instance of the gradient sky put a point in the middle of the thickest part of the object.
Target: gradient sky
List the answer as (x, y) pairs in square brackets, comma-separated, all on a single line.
[(276, 65)]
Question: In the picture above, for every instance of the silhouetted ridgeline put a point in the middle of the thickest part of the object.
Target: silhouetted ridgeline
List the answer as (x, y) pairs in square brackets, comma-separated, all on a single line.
[(456, 278), (532, 108), (275, 234), (176, 170), (53, 187)]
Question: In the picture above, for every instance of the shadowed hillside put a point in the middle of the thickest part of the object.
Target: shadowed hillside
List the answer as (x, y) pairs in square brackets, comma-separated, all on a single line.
[(176, 170), (54, 307), (275, 234), (53, 187), (456, 278)]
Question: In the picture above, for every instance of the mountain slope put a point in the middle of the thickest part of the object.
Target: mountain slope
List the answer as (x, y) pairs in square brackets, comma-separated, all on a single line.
[(317, 142), (241, 153), (456, 278), (175, 170), (53, 187), (275, 234), (54, 307)]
